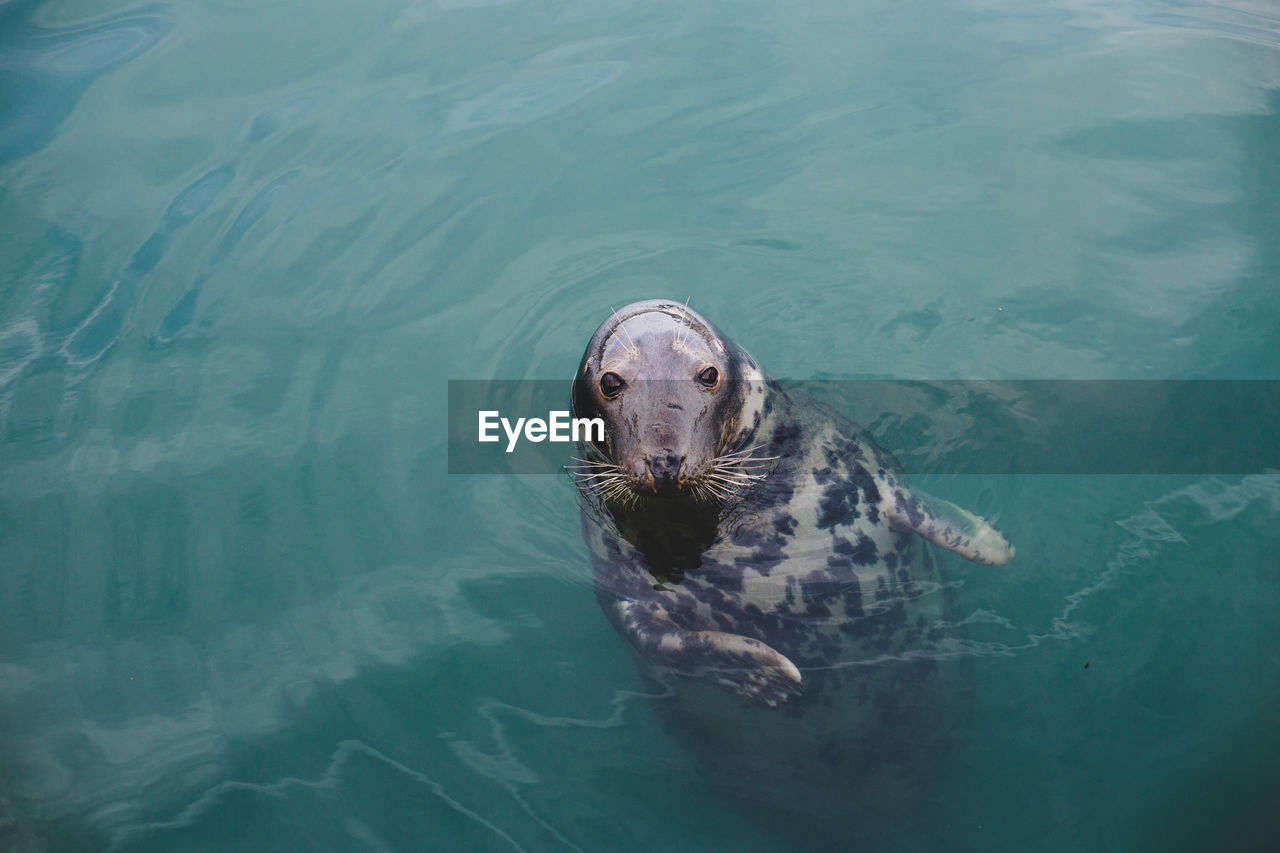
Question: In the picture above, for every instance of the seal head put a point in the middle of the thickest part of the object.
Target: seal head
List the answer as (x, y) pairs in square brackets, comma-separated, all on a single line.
[(679, 398)]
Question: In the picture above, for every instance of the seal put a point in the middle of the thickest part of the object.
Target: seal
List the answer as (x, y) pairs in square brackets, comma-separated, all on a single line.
[(765, 552)]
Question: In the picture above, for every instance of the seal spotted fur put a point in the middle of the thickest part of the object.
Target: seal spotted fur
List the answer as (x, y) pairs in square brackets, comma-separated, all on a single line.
[(759, 545)]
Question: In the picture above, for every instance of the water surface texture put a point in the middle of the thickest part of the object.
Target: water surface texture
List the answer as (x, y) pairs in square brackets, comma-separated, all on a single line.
[(244, 247)]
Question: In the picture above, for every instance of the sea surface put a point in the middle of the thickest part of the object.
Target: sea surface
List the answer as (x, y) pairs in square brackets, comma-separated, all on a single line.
[(244, 246)]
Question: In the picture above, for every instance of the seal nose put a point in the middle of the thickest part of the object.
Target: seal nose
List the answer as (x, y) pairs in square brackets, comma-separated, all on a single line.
[(664, 468)]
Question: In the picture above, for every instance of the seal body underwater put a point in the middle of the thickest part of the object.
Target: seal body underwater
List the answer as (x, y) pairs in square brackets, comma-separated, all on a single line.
[(763, 558)]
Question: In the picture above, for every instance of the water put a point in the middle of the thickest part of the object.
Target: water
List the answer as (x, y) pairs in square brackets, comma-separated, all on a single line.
[(243, 605)]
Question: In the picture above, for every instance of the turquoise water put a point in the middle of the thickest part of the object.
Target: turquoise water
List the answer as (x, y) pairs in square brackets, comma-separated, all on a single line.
[(243, 247)]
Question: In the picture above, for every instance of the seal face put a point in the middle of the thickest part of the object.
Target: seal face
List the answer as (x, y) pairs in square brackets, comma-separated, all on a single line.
[(758, 545), (680, 399)]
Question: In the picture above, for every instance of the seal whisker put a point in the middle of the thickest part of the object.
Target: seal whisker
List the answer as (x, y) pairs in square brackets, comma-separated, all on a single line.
[(687, 324), (716, 489), (703, 494), (739, 470), (730, 484), (739, 476), (610, 480), (762, 462), (593, 461), (631, 344), (751, 461), (591, 475), (744, 451), (722, 472), (743, 460), (725, 490), (592, 485), (728, 488)]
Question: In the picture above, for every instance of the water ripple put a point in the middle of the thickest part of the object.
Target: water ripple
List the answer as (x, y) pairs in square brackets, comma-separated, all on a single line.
[(532, 97), (103, 326), (1151, 533), (329, 780), (43, 73)]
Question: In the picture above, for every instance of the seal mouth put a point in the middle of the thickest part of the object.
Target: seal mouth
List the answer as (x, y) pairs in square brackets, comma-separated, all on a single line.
[(664, 486)]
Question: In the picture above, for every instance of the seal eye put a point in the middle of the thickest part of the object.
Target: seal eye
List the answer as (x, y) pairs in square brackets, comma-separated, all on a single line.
[(611, 384), (709, 377)]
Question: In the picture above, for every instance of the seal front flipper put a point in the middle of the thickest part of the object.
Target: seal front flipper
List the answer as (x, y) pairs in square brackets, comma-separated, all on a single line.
[(737, 663), (947, 526)]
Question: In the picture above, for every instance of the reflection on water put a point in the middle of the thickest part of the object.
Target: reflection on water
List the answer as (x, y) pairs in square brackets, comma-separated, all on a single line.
[(242, 250), (124, 721)]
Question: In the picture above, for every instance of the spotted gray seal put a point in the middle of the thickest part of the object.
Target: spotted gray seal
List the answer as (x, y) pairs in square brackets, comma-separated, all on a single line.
[(764, 549)]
